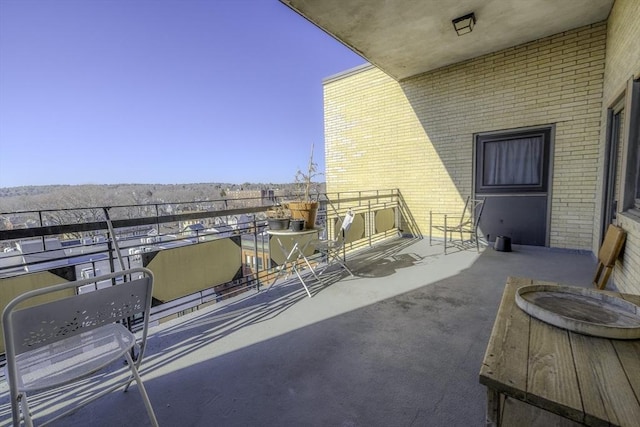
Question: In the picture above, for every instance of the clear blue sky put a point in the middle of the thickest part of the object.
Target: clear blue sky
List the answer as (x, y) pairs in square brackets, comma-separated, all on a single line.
[(183, 91)]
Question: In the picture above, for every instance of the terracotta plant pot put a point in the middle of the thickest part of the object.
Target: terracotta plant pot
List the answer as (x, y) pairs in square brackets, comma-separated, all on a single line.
[(306, 211)]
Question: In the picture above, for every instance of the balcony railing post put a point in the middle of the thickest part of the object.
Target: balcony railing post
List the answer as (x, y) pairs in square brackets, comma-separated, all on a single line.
[(157, 219), (44, 241), (397, 216), (112, 243), (255, 249), (371, 222)]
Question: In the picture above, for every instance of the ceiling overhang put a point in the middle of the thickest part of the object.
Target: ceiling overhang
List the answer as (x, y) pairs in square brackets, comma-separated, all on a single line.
[(405, 38)]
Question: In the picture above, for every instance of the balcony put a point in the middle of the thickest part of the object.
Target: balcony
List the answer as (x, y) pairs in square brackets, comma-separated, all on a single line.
[(201, 252), (401, 343)]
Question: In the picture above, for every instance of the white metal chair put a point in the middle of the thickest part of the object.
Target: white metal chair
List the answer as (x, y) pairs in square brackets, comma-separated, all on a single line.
[(65, 340), (465, 223), (333, 249)]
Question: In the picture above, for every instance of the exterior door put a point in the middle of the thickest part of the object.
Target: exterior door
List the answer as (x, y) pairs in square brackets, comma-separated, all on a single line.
[(512, 175), (614, 134)]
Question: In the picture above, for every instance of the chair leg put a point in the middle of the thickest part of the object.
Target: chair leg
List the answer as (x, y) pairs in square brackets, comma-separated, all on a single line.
[(348, 269), (344, 265), (607, 272), (28, 422), (332, 257), (596, 278), (325, 257), (15, 408), (20, 405), (143, 391)]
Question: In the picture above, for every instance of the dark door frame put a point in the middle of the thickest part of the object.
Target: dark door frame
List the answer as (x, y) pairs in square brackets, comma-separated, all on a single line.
[(611, 153), (551, 128)]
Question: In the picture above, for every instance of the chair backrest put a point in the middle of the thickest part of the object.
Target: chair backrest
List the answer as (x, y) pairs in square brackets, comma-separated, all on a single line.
[(472, 212), (347, 221), (346, 225), (36, 326)]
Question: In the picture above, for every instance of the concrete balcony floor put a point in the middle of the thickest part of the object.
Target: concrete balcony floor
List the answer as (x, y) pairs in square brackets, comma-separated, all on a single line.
[(399, 344)]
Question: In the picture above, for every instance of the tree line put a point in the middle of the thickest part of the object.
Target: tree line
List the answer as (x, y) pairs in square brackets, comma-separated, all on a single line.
[(34, 198)]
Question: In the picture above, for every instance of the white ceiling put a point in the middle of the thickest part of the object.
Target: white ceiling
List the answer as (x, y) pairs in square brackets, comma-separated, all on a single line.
[(409, 37)]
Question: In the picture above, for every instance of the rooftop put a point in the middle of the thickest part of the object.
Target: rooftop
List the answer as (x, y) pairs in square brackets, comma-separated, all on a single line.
[(399, 344)]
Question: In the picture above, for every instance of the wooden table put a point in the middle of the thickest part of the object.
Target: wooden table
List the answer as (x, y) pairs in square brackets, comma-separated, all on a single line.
[(530, 365)]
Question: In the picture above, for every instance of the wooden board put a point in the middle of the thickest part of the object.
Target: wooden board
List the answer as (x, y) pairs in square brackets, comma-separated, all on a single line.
[(581, 310), (508, 343), (551, 379), (519, 414), (606, 391), (628, 352)]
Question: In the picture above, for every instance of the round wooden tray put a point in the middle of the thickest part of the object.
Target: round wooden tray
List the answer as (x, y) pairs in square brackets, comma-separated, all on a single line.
[(581, 310)]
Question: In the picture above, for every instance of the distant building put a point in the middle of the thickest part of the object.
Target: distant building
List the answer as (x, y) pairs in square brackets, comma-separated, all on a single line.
[(267, 196), (242, 222), (252, 259), (194, 228), (220, 231)]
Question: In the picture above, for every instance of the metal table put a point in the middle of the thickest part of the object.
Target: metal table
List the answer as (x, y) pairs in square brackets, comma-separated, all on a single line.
[(294, 254)]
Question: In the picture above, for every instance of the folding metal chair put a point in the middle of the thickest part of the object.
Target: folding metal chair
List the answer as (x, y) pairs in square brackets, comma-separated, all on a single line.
[(65, 340), (465, 223), (333, 249), (608, 254)]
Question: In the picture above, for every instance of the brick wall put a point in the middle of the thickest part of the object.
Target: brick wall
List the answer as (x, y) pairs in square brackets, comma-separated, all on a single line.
[(623, 48), (622, 64), (417, 134)]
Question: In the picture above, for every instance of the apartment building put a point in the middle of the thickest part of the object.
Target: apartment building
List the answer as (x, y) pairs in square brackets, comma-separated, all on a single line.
[(535, 109)]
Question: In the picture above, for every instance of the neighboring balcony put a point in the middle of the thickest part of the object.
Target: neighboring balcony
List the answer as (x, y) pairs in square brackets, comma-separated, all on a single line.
[(400, 343)]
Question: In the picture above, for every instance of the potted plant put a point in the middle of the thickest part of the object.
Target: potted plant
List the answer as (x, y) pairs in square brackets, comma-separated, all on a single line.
[(305, 208), (278, 218)]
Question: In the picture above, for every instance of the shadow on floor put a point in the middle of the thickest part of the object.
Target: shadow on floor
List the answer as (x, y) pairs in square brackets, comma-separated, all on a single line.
[(343, 357)]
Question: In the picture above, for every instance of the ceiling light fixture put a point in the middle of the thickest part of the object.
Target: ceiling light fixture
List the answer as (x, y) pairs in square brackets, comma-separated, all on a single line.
[(464, 24)]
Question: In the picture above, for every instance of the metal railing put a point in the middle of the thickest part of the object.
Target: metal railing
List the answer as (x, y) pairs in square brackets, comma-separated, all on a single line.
[(77, 242)]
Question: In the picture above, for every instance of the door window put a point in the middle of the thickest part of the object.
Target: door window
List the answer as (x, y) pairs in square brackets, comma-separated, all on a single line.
[(514, 162)]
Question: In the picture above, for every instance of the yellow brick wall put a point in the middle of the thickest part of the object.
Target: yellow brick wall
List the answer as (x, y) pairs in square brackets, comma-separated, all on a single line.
[(622, 63), (417, 135), (623, 48)]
